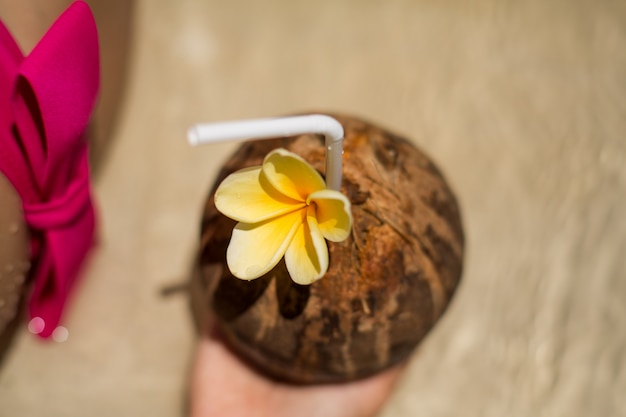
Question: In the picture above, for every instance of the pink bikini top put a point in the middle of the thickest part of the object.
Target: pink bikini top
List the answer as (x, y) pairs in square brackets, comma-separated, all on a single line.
[(46, 100)]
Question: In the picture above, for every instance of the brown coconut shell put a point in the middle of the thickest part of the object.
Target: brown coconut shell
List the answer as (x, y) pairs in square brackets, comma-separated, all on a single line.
[(386, 286), (14, 259)]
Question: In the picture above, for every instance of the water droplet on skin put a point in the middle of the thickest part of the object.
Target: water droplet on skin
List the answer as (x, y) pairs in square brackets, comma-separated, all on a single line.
[(36, 325), (14, 228), (60, 334), (9, 268)]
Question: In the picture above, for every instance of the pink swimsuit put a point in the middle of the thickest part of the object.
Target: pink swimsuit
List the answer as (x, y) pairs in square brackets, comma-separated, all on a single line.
[(46, 100)]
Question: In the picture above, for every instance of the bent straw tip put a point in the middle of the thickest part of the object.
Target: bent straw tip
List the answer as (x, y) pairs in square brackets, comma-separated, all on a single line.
[(193, 136)]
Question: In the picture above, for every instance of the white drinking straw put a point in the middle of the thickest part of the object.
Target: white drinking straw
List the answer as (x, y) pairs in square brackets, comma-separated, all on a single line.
[(279, 127)]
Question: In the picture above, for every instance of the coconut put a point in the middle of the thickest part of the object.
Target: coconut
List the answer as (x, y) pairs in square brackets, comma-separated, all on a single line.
[(386, 286)]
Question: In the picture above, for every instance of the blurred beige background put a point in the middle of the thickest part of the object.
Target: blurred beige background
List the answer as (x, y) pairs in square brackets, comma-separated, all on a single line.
[(521, 103)]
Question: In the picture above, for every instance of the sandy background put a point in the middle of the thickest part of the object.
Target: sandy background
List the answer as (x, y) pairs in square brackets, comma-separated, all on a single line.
[(521, 103)]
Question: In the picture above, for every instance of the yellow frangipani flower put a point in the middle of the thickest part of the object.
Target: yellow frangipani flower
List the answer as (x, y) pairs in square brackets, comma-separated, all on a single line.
[(284, 209)]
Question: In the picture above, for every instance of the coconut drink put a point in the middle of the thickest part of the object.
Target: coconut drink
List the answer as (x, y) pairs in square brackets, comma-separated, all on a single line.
[(314, 279)]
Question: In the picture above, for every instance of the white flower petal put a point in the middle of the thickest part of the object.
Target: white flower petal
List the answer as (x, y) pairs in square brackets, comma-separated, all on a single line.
[(291, 175), (245, 197), (255, 249), (333, 212), (307, 255)]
